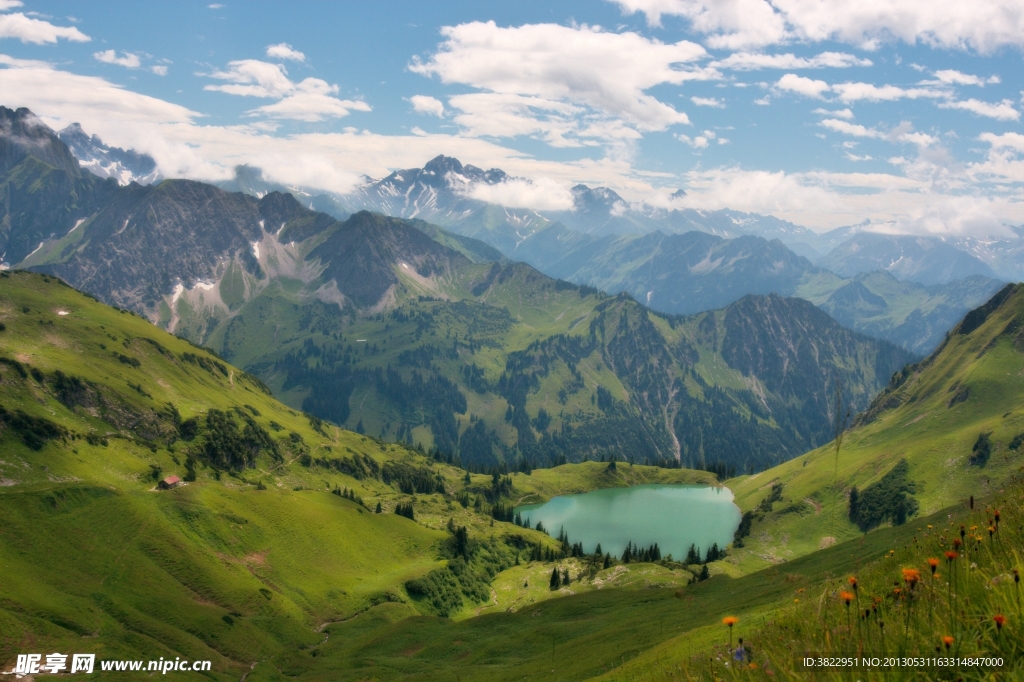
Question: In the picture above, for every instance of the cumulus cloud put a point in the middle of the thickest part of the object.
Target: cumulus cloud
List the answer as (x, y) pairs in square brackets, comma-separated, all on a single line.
[(983, 26), (543, 194), (697, 142), (36, 31), (753, 61), (128, 60), (159, 69), (803, 86), (852, 129), (310, 100), (953, 77), (338, 161), (841, 113), (1001, 111), (853, 92), (9, 4), (708, 102), (425, 104), (562, 83), (285, 51)]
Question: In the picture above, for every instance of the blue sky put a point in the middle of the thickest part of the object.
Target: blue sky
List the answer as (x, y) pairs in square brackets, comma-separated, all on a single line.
[(825, 113)]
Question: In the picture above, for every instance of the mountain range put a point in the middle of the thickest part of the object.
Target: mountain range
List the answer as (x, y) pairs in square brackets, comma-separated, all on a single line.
[(401, 329), (719, 262)]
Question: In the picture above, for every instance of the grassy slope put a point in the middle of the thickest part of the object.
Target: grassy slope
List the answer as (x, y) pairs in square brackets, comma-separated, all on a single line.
[(934, 436), (90, 549), (618, 633)]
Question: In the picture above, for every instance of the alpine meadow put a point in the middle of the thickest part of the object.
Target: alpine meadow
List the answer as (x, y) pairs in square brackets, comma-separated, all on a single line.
[(621, 340)]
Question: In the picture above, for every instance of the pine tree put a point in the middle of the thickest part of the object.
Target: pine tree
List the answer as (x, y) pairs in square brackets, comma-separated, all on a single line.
[(565, 577), (704, 573), (556, 580), (379, 509), (597, 550), (607, 560)]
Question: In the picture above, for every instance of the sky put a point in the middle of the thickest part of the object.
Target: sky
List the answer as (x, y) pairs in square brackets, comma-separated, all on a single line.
[(823, 112)]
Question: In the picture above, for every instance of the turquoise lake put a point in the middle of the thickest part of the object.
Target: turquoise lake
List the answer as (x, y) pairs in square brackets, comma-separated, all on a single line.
[(674, 516)]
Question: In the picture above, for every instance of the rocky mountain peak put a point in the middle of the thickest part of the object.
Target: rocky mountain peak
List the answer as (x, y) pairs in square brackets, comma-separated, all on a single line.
[(124, 165), (23, 134), (597, 199)]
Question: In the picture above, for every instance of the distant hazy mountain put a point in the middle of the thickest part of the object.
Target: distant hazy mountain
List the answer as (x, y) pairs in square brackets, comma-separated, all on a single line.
[(674, 273), (124, 165), (909, 314), (927, 260), (249, 180)]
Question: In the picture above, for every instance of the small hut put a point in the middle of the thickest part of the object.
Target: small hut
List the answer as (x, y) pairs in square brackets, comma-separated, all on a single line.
[(169, 482)]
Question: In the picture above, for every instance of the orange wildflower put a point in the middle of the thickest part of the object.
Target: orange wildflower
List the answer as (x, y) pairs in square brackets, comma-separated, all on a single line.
[(846, 597), (948, 641), (730, 620), (951, 556), (911, 576), (853, 582), (1000, 620), (933, 563)]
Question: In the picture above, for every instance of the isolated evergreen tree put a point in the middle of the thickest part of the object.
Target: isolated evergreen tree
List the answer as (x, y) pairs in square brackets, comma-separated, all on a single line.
[(704, 573), (597, 550), (379, 509), (565, 577), (607, 560), (556, 580)]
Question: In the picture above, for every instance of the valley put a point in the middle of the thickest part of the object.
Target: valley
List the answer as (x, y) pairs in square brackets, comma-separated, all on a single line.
[(272, 429)]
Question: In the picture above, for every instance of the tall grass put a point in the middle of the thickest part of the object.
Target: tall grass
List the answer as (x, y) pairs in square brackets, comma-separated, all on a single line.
[(953, 591)]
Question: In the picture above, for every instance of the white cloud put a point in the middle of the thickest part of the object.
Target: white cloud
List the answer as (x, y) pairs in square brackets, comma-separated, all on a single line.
[(698, 142), (37, 31), (9, 4), (847, 128), (952, 77), (543, 194), (285, 51), (309, 100), (129, 60), (763, 101), (159, 69), (803, 86), (984, 25), (425, 104), (903, 133), (853, 92), (931, 195), (253, 78), (708, 102), (562, 84), (854, 157), (1002, 111), (841, 113), (752, 61), (182, 147), (216, 5)]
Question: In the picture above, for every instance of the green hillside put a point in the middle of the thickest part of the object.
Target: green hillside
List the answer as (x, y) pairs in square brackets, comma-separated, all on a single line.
[(253, 554), (956, 418)]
